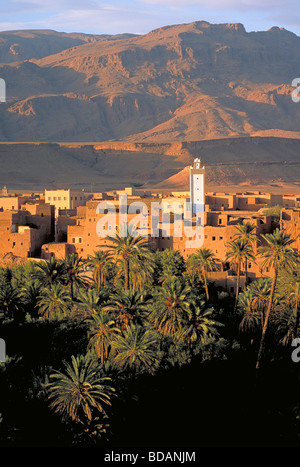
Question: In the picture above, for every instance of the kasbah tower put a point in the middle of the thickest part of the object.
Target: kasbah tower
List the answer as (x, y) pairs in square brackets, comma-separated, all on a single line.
[(197, 191)]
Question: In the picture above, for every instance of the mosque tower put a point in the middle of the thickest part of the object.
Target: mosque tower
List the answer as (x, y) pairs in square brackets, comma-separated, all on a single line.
[(197, 193)]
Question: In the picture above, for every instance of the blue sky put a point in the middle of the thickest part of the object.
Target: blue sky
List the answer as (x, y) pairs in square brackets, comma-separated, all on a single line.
[(141, 16)]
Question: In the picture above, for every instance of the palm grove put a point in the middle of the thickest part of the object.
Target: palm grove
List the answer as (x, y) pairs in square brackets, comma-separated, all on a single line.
[(82, 334)]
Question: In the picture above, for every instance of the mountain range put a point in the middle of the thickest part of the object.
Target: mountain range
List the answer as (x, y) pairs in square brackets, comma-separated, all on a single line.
[(186, 82), (104, 111)]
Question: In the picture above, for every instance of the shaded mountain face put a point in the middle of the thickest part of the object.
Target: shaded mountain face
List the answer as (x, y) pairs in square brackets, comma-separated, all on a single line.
[(16, 46), (185, 82), (248, 163)]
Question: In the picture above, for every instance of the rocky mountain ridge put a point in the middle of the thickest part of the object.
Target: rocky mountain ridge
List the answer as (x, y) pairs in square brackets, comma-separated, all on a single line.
[(185, 82)]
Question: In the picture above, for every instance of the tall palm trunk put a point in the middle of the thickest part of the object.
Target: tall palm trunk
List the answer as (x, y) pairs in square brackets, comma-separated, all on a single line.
[(246, 273), (72, 289), (97, 277), (237, 284), (126, 272), (205, 284), (262, 340)]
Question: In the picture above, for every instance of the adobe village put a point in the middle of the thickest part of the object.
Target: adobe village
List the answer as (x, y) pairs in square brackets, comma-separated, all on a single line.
[(150, 237), (57, 223)]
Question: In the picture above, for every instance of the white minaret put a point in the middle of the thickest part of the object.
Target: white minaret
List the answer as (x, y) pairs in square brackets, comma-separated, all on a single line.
[(197, 174)]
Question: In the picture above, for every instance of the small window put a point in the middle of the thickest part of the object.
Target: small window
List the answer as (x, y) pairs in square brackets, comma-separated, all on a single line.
[(213, 238)]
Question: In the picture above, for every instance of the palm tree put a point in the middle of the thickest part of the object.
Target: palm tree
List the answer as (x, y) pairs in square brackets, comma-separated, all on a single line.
[(129, 249), (260, 290), (128, 307), (54, 302), (277, 254), (49, 272), (78, 392), (102, 333), (73, 266), (252, 320), (253, 302), (246, 232), (101, 265), (192, 268), (29, 295), (200, 263), (238, 251), (141, 273), (172, 309), (137, 350), (88, 303), (168, 263), (10, 302), (200, 327), (284, 321)]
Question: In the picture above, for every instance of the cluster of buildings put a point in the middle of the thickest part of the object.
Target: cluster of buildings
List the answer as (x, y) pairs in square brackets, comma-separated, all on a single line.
[(60, 222)]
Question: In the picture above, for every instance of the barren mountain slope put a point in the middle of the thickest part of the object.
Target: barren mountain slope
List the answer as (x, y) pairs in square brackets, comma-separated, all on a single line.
[(258, 163), (24, 45), (178, 83)]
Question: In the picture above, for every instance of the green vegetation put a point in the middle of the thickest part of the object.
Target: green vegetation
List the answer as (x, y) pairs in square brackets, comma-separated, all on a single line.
[(275, 213), (130, 342)]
